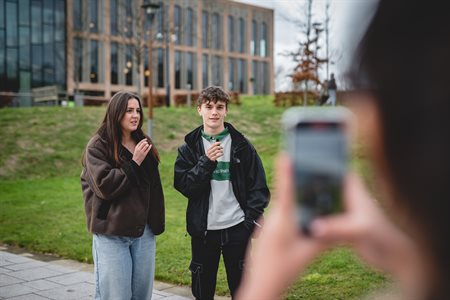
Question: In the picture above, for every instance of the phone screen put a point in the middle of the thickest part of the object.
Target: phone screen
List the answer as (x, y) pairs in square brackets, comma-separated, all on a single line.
[(320, 163)]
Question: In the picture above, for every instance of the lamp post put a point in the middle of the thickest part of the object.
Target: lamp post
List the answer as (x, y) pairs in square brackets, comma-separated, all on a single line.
[(167, 70), (167, 37), (150, 9)]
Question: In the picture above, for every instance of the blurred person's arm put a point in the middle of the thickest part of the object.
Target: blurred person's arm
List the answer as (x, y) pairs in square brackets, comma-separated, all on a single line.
[(375, 238), (281, 252)]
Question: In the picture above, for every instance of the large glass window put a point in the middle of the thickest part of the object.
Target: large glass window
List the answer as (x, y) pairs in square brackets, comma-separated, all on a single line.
[(263, 40), (128, 18), (33, 42), (216, 31), (266, 75), (160, 18), (241, 36), (93, 70), (60, 63), (36, 65), (25, 80), (114, 17), (255, 77), (242, 76), (160, 68), (11, 63), (231, 71), (230, 33), (48, 64), (217, 70), (48, 60), (205, 68), (59, 20), (24, 48), (2, 52), (189, 28), (253, 43), (114, 63), (146, 67), (77, 13), (2, 14), (129, 65), (205, 31), (48, 34), (93, 15), (24, 12), (190, 70), (36, 22), (177, 69), (78, 59), (177, 24), (48, 11), (11, 24)]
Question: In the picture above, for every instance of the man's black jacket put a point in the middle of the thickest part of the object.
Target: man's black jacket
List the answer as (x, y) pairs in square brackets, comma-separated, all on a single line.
[(193, 172)]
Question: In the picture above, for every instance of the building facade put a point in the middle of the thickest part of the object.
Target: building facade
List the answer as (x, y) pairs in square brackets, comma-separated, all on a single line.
[(98, 47), (32, 46)]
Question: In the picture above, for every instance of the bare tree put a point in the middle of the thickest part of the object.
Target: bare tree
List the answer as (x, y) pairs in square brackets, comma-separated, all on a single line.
[(307, 57), (134, 27)]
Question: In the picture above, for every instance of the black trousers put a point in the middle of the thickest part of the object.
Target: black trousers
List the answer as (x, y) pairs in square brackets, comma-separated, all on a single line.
[(232, 244)]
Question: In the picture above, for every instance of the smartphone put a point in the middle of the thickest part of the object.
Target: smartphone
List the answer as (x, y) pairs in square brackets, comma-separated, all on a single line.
[(317, 141)]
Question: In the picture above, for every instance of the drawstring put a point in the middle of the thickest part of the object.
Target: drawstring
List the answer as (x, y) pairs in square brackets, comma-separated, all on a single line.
[(224, 237)]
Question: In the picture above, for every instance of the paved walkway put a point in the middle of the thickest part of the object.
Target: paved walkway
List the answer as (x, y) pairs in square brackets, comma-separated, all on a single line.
[(25, 276)]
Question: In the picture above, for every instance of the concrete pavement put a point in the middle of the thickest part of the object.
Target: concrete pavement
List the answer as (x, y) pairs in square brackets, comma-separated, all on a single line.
[(26, 276)]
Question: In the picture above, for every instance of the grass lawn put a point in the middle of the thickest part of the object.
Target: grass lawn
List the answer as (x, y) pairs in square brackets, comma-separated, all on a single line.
[(41, 205)]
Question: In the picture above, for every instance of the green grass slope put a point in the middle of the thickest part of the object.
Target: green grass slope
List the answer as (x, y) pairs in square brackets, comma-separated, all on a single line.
[(41, 205)]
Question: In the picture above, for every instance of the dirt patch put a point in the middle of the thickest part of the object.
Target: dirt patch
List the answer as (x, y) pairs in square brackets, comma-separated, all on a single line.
[(10, 165)]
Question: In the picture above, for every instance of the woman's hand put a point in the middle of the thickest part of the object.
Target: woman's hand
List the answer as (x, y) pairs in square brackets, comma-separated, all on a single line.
[(281, 252), (375, 238), (141, 150)]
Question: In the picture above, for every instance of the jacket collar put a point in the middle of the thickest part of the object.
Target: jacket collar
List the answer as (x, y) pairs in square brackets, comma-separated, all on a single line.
[(194, 136)]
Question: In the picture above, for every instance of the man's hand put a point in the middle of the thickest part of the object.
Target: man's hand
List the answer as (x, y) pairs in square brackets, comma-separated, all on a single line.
[(215, 151)]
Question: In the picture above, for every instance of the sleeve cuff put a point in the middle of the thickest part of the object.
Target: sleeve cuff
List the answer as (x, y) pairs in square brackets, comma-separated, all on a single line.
[(131, 170)]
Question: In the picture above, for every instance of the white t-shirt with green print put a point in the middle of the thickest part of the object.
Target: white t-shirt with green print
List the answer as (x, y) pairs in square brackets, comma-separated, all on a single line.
[(224, 209)]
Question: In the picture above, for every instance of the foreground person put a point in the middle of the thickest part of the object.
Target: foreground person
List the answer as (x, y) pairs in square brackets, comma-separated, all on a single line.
[(402, 100)]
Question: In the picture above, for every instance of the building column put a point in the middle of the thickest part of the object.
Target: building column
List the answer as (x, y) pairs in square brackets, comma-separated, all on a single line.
[(69, 44), (107, 50), (250, 74)]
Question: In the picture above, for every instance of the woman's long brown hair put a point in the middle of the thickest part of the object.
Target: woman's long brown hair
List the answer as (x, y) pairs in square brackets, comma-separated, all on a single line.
[(111, 130)]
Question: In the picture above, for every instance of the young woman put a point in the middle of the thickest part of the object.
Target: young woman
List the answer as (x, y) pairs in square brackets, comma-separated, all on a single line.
[(124, 201)]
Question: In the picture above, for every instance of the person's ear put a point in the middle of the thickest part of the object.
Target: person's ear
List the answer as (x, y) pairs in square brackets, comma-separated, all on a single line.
[(370, 133), (368, 124), (374, 130), (199, 110)]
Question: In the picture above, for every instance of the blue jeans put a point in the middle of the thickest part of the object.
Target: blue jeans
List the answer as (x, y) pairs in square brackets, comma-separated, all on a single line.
[(124, 266)]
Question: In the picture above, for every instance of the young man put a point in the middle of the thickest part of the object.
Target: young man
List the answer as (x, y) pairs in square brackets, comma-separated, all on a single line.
[(222, 176)]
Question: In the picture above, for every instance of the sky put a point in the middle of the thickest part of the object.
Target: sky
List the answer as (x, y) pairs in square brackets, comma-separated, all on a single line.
[(348, 19)]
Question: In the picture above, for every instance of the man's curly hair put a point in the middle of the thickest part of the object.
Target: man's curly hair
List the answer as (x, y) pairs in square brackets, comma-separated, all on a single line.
[(214, 94)]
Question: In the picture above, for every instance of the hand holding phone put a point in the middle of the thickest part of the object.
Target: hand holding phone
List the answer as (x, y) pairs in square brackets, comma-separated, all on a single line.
[(317, 141)]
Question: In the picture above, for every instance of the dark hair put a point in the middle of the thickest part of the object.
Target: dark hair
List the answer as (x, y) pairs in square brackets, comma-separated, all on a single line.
[(111, 130), (214, 94), (404, 60)]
